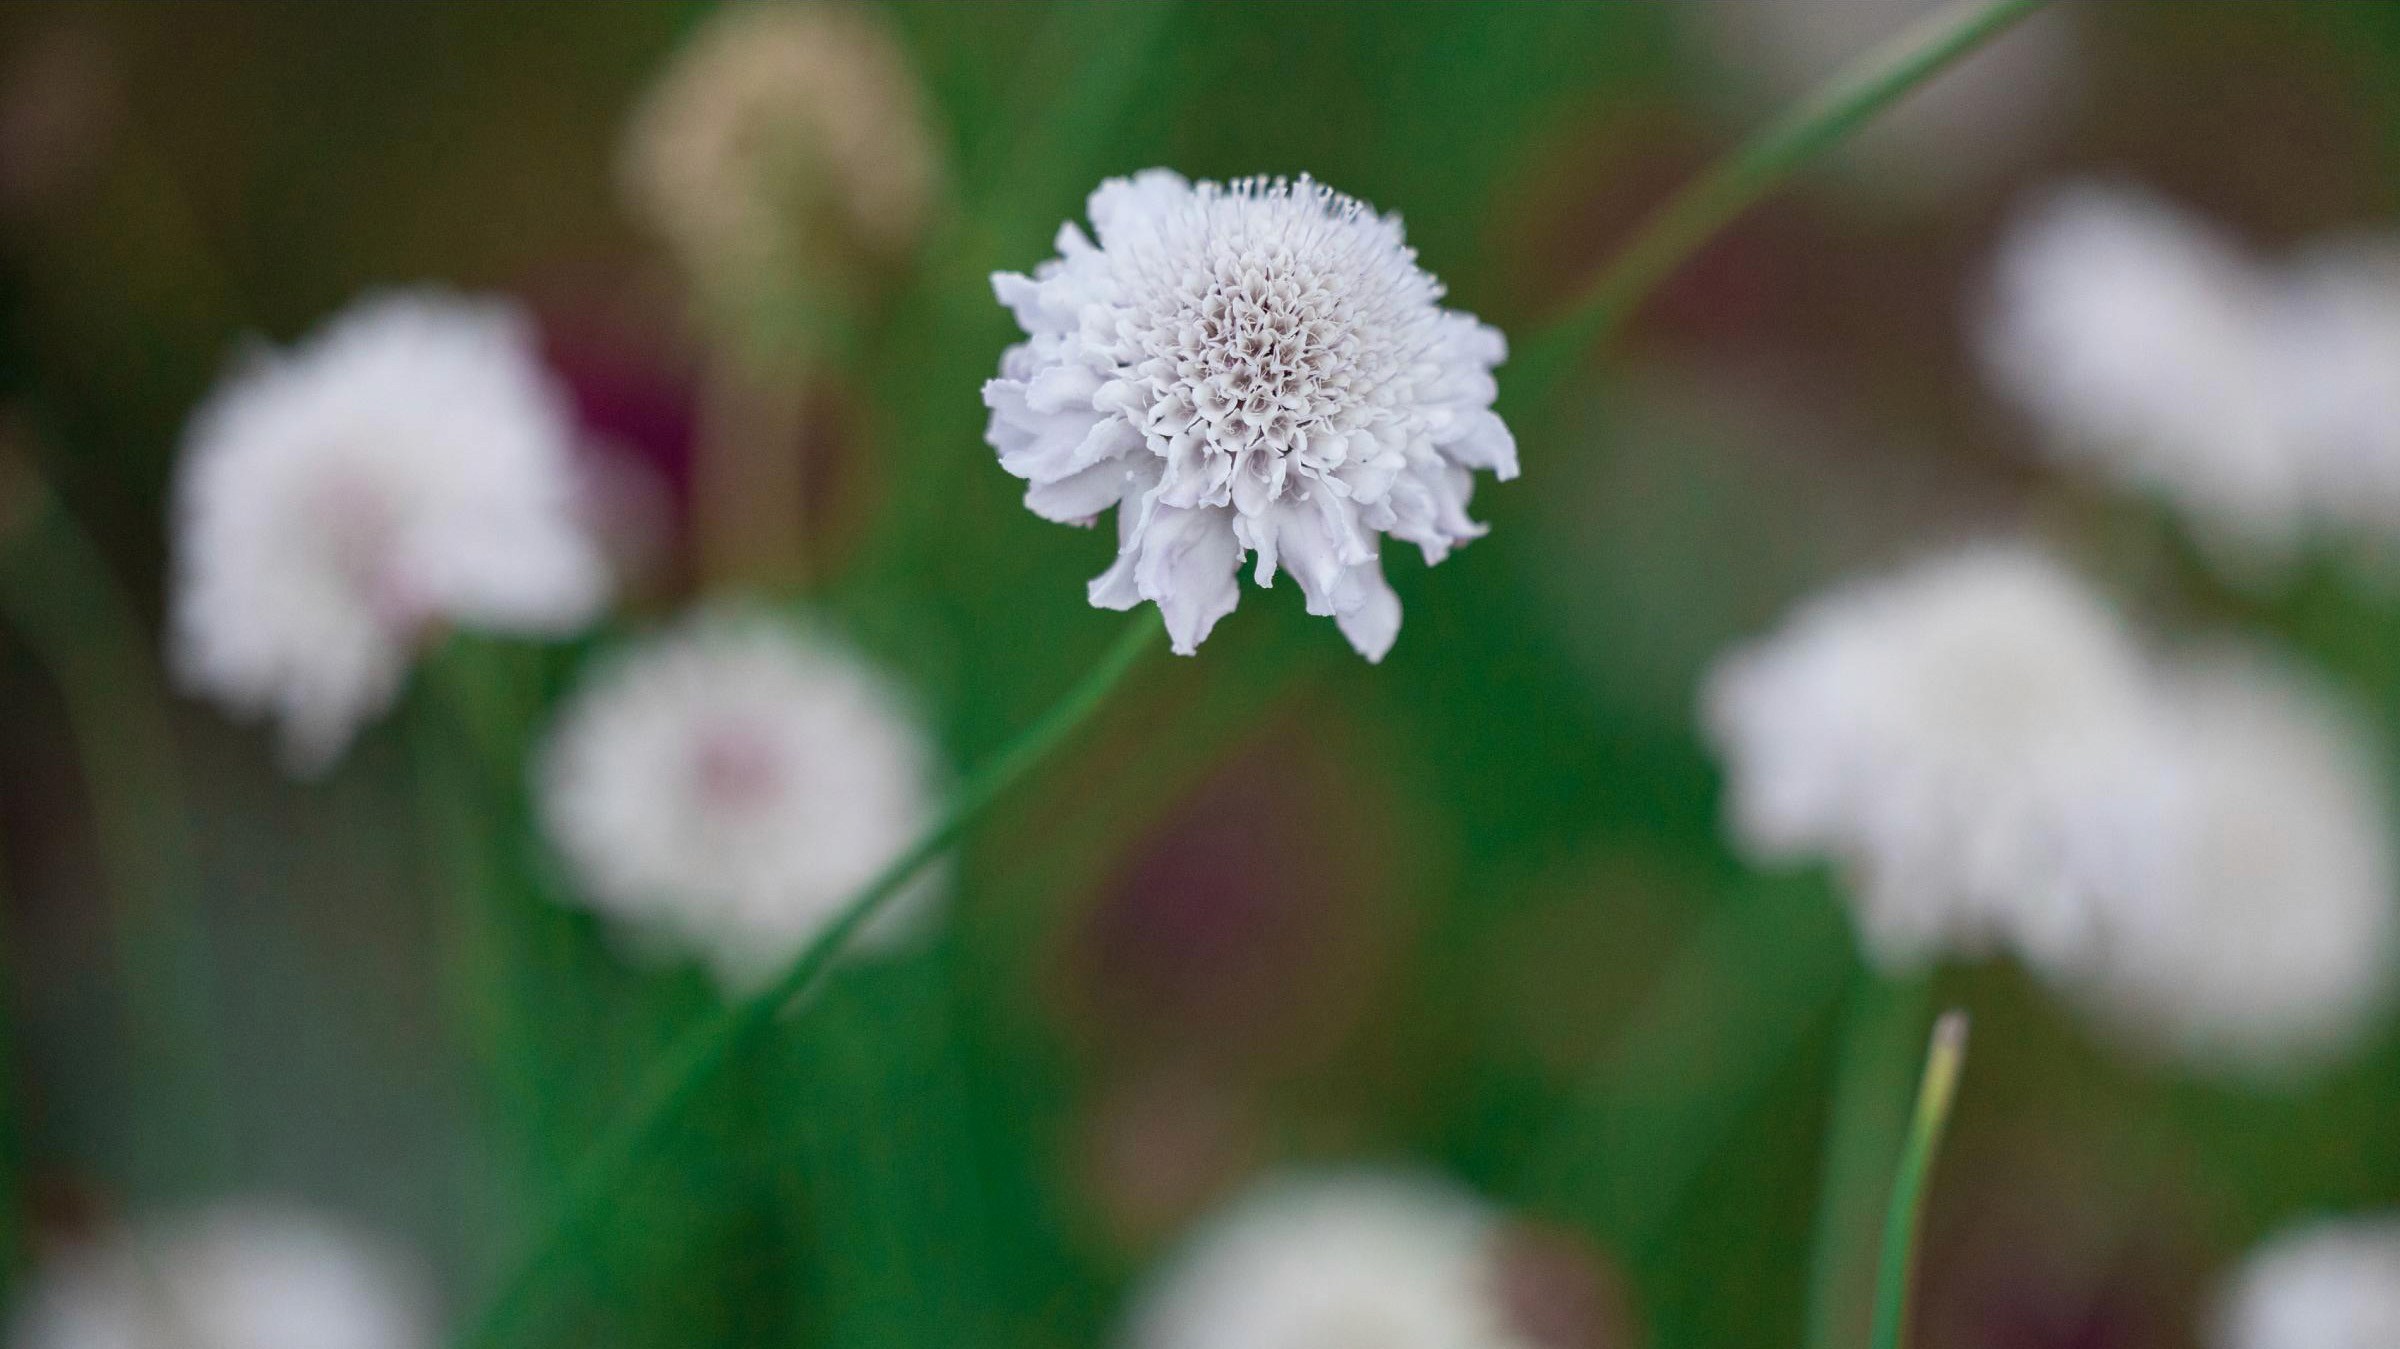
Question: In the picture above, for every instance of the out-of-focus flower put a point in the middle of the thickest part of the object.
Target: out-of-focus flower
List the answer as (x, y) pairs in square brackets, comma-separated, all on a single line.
[(723, 789), (2328, 1285), (1975, 121), (785, 147), (408, 466), (2135, 337), (1256, 367), (1364, 1258), (2263, 401), (2197, 854), (229, 1278), (2265, 945), (1971, 741)]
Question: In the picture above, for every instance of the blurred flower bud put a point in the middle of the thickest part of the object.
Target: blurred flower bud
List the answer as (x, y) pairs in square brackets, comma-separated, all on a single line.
[(784, 158)]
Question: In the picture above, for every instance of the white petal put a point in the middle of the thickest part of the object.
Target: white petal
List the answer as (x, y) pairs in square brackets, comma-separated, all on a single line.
[(1188, 565), (1486, 443), (1375, 621), (1079, 497)]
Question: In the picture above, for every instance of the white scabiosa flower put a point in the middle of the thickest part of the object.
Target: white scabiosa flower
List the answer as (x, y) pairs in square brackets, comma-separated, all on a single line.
[(1971, 742), (724, 789), (231, 1278), (2329, 1285), (2265, 944), (1259, 367), (2137, 340), (409, 466), (1363, 1258)]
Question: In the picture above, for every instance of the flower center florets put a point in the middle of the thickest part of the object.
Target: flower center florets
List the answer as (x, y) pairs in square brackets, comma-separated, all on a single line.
[(1266, 340)]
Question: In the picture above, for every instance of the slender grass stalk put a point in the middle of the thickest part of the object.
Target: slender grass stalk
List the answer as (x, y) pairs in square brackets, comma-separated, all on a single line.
[(58, 595), (467, 762), (1866, 1126), (676, 1083), (1896, 1276), (1702, 210)]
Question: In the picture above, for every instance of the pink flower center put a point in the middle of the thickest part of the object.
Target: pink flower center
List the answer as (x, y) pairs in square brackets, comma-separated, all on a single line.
[(735, 770)]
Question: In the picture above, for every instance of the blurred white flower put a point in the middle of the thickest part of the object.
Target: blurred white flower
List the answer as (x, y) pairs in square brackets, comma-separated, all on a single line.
[(408, 466), (2261, 400), (2199, 855), (1978, 119), (2265, 944), (228, 1278), (1971, 741), (1348, 1258), (1256, 367), (2137, 340), (785, 142), (725, 788), (2329, 1285)]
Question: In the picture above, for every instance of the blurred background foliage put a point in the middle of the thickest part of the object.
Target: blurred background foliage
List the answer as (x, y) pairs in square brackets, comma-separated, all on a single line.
[(1470, 907)]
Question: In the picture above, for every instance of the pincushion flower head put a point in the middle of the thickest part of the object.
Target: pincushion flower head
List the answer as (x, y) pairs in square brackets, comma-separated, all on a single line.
[(1393, 1260), (1971, 741), (2332, 1284), (723, 790), (234, 1277), (407, 467), (1255, 368)]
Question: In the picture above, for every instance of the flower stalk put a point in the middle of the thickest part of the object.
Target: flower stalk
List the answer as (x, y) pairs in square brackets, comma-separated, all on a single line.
[(1702, 210)]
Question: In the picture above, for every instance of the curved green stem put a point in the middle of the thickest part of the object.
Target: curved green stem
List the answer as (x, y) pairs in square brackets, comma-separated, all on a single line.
[(675, 1084), (1698, 213), (1896, 1276)]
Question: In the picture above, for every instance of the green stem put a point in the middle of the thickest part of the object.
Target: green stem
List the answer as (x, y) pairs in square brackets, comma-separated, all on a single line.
[(678, 1082), (1896, 1276), (1866, 1125), (57, 592), (467, 764), (1703, 209)]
